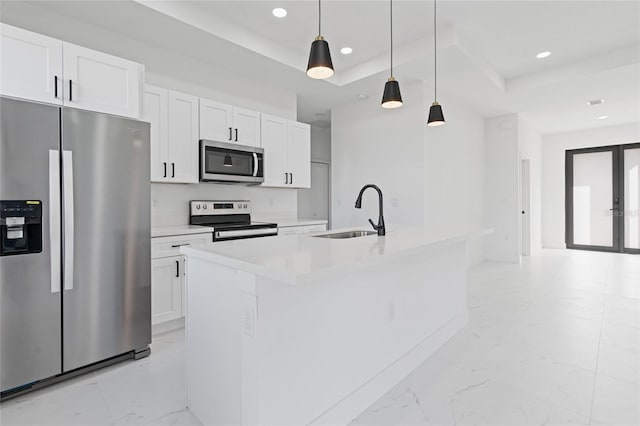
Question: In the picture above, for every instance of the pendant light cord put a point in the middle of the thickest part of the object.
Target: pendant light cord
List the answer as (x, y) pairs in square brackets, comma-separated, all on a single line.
[(435, 55), (391, 19), (319, 17)]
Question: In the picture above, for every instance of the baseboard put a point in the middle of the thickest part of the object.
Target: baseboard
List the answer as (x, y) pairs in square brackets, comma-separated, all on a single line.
[(167, 326), (358, 401)]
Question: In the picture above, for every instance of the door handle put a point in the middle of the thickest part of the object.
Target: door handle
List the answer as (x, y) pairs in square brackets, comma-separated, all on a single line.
[(286, 178), (180, 245), (54, 219), (165, 169), (55, 86), (291, 178), (236, 135), (70, 90), (255, 164), (67, 163), (230, 133), (177, 269), (173, 170)]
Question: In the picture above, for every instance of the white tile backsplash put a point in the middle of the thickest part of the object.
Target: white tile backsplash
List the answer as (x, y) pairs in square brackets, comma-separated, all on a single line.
[(170, 202)]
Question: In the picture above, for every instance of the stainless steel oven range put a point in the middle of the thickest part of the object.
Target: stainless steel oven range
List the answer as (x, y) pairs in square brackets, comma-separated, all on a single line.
[(231, 220)]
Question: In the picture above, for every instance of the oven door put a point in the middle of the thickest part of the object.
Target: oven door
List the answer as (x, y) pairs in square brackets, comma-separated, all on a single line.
[(224, 162)]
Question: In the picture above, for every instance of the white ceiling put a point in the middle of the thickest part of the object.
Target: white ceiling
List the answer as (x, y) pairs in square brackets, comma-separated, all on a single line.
[(486, 50)]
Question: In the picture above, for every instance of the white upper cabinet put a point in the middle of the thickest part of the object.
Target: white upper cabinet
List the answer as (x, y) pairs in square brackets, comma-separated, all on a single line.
[(226, 123), (31, 65), (299, 140), (274, 142), (155, 110), (100, 82), (183, 138), (287, 153), (216, 121), (44, 69), (174, 134)]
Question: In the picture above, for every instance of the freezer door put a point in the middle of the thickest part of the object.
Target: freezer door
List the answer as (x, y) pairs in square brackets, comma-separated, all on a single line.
[(30, 299), (107, 250)]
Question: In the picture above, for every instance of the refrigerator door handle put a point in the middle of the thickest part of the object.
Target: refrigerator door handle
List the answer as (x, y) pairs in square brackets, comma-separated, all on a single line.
[(67, 163), (54, 218)]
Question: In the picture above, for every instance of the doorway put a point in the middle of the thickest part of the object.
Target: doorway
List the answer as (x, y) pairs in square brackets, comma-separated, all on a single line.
[(602, 196)]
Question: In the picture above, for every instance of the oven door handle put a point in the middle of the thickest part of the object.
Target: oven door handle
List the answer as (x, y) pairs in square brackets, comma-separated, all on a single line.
[(255, 164), (260, 232)]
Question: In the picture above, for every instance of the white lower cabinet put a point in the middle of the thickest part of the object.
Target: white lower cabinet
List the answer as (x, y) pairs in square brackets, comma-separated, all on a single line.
[(168, 272), (167, 287)]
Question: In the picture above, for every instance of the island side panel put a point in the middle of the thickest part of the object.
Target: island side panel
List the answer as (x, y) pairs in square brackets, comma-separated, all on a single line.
[(319, 341), (220, 344)]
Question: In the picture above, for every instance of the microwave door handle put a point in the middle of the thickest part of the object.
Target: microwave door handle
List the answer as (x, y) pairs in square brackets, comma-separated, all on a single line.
[(255, 164)]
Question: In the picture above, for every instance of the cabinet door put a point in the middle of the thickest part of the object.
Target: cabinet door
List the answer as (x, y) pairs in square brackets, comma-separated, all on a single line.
[(167, 280), (30, 64), (216, 121), (183, 138), (299, 138), (99, 82), (155, 111), (246, 127), (274, 142)]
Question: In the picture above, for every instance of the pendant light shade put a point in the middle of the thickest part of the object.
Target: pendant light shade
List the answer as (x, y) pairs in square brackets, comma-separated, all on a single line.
[(227, 161), (391, 97), (320, 65), (436, 117)]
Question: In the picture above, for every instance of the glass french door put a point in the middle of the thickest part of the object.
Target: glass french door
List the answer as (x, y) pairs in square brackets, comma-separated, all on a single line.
[(602, 198)]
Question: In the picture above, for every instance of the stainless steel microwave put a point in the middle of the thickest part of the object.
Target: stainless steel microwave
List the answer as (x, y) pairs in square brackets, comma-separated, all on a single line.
[(230, 163)]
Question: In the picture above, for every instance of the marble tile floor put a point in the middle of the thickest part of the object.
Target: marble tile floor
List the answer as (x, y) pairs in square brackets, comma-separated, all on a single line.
[(552, 341)]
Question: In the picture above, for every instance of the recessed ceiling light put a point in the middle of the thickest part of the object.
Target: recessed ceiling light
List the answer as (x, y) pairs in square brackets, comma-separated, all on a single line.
[(362, 96), (603, 117), (595, 102), (279, 12), (543, 55), (346, 50)]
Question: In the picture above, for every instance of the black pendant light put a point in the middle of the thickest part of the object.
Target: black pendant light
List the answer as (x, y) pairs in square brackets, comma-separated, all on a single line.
[(391, 97), (436, 118), (320, 65), (227, 161)]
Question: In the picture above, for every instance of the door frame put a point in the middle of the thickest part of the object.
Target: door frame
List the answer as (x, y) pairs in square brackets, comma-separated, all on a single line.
[(617, 202)]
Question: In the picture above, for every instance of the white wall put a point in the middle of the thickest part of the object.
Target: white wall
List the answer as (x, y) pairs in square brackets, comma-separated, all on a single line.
[(432, 176), (382, 147), (454, 173), (530, 145), (321, 144), (503, 188), (178, 72), (553, 152)]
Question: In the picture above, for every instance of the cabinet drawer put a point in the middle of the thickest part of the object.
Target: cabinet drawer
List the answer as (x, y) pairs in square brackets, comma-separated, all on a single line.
[(170, 246)]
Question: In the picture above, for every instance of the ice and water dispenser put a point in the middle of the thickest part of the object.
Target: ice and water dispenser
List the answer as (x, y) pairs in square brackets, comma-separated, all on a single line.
[(20, 227)]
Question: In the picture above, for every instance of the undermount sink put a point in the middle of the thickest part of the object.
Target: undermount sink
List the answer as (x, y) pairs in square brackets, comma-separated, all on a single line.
[(348, 234)]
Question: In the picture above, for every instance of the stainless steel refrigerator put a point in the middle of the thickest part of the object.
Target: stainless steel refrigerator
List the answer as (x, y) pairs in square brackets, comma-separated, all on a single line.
[(75, 261)]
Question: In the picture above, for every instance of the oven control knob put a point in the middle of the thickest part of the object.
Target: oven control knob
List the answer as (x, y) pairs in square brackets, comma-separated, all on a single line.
[(204, 206), (198, 206), (239, 206), (245, 206)]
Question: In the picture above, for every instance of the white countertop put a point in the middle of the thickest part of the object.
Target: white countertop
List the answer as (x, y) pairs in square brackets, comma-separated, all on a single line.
[(283, 223), (169, 231), (289, 258)]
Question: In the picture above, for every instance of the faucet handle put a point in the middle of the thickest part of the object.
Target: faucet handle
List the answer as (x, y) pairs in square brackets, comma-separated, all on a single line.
[(373, 224)]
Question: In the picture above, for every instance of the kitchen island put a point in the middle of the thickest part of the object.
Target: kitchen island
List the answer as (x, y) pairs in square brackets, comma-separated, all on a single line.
[(310, 330)]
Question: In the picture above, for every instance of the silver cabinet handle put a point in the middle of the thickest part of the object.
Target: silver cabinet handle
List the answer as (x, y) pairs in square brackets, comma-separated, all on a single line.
[(255, 164), (67, 164), (54, 219)]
